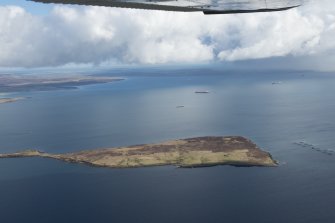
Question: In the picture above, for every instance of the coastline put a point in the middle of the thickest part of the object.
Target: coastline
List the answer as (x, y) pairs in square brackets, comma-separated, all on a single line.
[(12, 83)]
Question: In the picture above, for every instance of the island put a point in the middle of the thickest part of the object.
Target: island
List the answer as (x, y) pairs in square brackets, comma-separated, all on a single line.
[(190, 152)]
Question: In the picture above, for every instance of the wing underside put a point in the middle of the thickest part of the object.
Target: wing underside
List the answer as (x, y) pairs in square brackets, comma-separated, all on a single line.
[(207, 6)]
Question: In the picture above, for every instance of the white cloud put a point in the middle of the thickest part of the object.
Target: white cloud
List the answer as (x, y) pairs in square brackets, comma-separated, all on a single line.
[(99, 35)]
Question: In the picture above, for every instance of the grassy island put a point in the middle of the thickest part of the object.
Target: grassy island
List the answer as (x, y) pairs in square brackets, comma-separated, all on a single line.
[(191, 152)]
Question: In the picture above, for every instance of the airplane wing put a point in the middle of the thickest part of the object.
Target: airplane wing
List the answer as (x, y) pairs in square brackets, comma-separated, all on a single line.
[(206, 6)]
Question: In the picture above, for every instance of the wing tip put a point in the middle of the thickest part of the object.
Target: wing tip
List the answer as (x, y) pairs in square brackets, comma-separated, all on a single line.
[(214, 12)]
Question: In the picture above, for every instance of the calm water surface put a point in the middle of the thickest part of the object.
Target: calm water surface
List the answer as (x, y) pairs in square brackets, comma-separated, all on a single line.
[(142, 109)]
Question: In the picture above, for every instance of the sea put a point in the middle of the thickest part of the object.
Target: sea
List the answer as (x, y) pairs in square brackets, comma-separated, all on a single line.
[(290, 114)]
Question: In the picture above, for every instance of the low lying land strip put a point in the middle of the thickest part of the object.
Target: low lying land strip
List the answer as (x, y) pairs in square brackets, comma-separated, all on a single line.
[(20, 83), (191, 152), (10, 100)]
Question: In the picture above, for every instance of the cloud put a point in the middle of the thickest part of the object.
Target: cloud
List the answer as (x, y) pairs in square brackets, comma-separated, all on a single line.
[(100, 35)]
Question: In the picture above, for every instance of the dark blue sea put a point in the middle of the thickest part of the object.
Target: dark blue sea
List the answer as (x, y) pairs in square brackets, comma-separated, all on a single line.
[(273, 108)]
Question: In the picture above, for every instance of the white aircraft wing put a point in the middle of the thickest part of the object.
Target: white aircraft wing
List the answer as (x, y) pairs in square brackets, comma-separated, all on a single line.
[(206, 6)]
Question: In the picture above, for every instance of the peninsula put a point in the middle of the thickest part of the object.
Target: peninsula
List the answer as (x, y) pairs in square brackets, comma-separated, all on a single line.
[(191, 152)]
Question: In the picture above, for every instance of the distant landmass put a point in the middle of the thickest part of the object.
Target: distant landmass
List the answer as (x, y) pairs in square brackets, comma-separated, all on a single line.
[(191, 152), (10, 100), (18, 83)]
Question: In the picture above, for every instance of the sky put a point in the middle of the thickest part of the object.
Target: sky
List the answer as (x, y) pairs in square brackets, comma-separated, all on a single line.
[(35, 35)]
